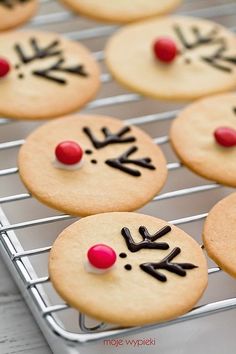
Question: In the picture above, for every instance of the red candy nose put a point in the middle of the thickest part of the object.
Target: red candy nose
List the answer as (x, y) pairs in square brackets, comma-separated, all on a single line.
[(69, 152), (101, 256), (225, 136), (4, 67), (165, 49)]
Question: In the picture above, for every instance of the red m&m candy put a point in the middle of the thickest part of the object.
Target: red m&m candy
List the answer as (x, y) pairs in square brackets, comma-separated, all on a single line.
[(101, 256), (165, 49), (69, 152), (225, 136), (4, 67)]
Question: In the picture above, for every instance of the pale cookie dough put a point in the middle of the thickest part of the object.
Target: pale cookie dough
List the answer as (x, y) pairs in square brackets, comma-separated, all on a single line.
[(192, 137), (159, 273), (121, 11), (50, 76), (219, 235), (14, 13), (205, 64), (121, 170)]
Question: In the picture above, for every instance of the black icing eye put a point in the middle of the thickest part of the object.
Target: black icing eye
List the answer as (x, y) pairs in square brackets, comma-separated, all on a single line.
[(234, 110), (88, 152), (122, 255), (128, 266)]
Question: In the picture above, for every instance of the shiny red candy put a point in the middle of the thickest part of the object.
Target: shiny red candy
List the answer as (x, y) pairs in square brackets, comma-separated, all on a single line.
[(4, 67), (101, 256), (225, 136), (69, 152), (165, 49)]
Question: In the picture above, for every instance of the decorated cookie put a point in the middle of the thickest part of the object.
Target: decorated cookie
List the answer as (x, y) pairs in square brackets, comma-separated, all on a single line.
[(85, 165), (128, 269), (180, 58), (121, 11), (204, 138), (47, 75), (13, 13), (219, 234)]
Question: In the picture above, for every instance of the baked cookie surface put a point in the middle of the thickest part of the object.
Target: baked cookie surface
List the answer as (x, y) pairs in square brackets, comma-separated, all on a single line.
[(121, 168), (219, 235), (198, 58), (49, 76), (127, 268), (121, 11), (204, 138), (13, 13)]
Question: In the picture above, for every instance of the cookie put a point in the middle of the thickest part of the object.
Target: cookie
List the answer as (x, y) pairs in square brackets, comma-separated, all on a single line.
[(128, 269), (121, 11), (85, 165), (219, 234), (43, 75), (174, 58), (14, 13), (204, 138)]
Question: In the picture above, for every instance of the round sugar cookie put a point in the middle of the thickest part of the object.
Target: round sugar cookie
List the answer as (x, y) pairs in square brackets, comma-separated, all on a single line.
[(49, 75), (85, 165), (121, 11), (126, 268), (204, 138), (14, 13), (219, 235), (173, 58)]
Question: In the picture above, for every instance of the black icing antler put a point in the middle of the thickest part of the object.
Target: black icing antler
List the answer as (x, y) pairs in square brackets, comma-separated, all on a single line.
[(148, 240), (49, 51), (177, 268), (215, 60), (7, 3), (123, 159), (46, 73), (38, 53), (218, 57), (11, 3), (199, 38), (109, 138)]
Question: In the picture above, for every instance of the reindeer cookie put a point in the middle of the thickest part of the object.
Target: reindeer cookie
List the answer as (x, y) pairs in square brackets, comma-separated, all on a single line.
[(180, 58), (128, 269), (43, 75), (204, 138), (85, 165), (121, 11), (219, 234), (13, 13)]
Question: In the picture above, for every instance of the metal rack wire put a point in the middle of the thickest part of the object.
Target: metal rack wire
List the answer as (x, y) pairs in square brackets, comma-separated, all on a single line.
[(19, 262)]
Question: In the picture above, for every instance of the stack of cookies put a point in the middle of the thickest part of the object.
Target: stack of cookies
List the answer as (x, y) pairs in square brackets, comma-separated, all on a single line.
[(98, 168)]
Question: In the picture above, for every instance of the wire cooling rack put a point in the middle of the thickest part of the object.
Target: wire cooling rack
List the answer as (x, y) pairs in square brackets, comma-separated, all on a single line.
[(25, 244)]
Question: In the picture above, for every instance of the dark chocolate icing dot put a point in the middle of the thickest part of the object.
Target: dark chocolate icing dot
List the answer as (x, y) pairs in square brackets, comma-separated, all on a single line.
[(21, 76), (88, 152), (234, 110), (122, 255), (128, 267), (17, 66), (94, 161), (188, 61)]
